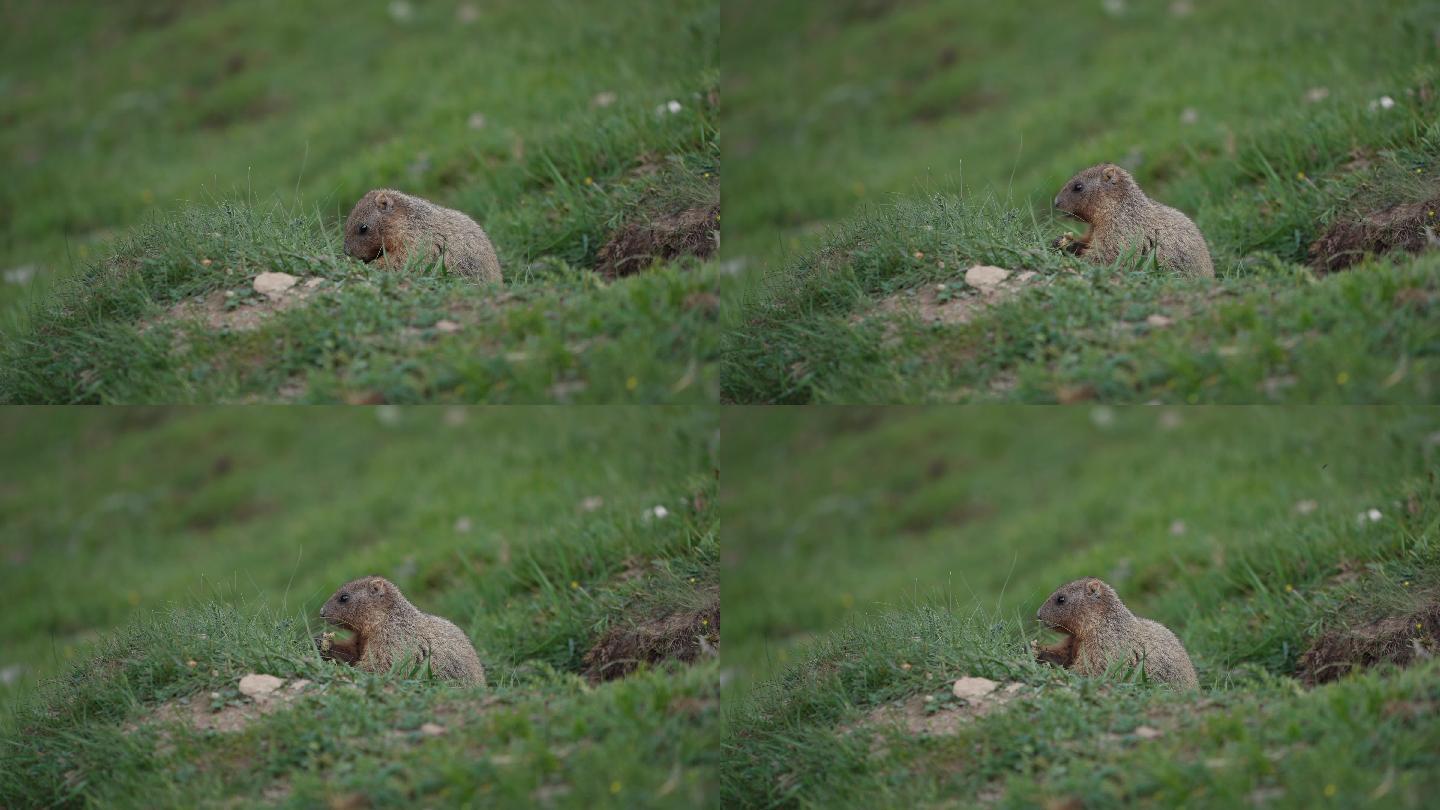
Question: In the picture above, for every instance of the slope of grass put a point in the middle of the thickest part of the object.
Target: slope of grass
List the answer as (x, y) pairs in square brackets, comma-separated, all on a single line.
[(156, 556), (907, 142), (169, 154), (902, 548)]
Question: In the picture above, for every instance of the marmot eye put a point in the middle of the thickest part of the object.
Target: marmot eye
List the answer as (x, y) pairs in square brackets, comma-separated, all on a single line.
[(1077, 187), (1059, 600), (344, 597), (363, 228)]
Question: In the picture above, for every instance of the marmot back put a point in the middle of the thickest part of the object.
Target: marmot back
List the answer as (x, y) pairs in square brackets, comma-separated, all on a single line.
[(1100, 632), (1122, 218), (388, 225), (388, 628)]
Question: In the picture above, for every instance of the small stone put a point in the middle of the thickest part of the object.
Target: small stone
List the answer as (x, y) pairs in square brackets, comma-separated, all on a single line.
[(274, 285), (432, 729), (476, 121), (986, 278), (591, 503), (463, 525), (298, 685), (259, 687), (603, 99), (1306, 507), (312, 283), (970, 688), (1159, 321), (1146, 732), (447, 327)]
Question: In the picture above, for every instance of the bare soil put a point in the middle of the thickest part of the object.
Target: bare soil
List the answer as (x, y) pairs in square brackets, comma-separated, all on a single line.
[(680, 636), (1400, 640), (637, 245), (1410, 227)]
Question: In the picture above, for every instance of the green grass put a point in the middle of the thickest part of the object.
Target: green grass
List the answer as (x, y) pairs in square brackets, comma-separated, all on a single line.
[(159, 555), (873, 555), (906, 142), (161, 154)]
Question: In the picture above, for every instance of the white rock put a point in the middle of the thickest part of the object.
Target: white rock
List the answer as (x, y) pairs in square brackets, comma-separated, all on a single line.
[(970, 688), (432, 729), (1159, 321), (259, 687), (447, 327), (274, 285), (985, 278), (20, 275), (1146, 732)]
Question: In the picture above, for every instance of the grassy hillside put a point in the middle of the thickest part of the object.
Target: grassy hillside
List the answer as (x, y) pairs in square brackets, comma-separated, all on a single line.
[(906, 142), (874, 556), (162, 156), (155, 557)]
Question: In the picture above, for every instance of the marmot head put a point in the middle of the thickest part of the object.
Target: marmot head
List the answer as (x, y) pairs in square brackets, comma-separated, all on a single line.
[(1076, 605), (1090, 191), (366, 225), (362, 603)]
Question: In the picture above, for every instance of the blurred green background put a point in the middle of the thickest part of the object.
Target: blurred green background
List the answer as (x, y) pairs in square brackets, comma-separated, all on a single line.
[(838, 106), (115, 111), (482, 515), (835, 513)]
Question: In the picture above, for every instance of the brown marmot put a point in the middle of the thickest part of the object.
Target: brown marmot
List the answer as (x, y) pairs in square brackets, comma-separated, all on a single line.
[(1123, 219), (388, 628), (388, 225), (1100, 631)]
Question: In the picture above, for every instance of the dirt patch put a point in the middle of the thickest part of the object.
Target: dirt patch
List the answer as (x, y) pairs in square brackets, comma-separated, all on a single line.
[(953, 302), (1400, 640), (637, 245), (234, 714), (218, 313), (932, 715), (679, 636), (1411, 227)]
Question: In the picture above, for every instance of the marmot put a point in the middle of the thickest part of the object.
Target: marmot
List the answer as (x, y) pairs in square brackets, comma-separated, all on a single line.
[(388, 628), (388, 224), (1099, 631), (1122, 218)]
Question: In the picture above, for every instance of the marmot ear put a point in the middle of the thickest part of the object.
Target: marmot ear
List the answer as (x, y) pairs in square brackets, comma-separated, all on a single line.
[(384, 201), (377, 585), (1110, 173), (1092, 586)]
